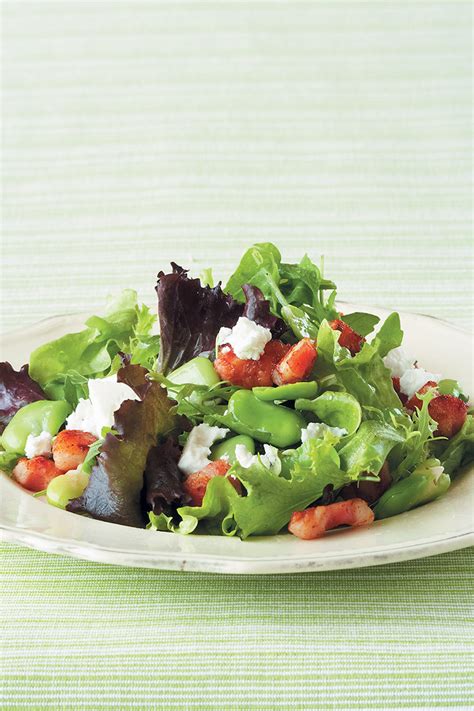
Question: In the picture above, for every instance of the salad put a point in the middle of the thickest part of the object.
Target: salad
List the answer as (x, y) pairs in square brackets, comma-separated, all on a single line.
[(259, 407)]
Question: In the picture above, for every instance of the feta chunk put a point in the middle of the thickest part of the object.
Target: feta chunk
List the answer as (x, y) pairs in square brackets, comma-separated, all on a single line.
[(269, 459), (247, 339), (414, 379), (195, 455), (97, 411), (38, 445), (398, 362), (243, 456), (318, 429)]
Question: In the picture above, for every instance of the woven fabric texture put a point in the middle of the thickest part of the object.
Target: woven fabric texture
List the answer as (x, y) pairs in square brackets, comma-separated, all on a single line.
[(136, 133)]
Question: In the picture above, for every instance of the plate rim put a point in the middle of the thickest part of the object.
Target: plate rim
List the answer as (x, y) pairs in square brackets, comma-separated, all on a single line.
[(214, 563)]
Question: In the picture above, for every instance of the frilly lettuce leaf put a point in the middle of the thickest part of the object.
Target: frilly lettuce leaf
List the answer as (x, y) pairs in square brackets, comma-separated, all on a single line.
[(63, 366), (17, 389), (215, 512), (367, 450), (418, 429), (143, 346), (270, 498), (114, 491)]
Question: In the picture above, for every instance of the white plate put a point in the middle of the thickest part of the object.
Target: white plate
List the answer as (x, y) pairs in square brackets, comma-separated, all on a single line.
[(444, 525)]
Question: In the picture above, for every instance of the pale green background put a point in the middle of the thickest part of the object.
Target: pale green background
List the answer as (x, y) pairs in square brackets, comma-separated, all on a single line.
[(136, 133)]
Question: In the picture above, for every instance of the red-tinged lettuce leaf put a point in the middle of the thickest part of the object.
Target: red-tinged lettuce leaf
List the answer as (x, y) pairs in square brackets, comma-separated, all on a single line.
[(257, 309), (114, 491), (190, 317), (163, 491), (132, 375), (17, 389)]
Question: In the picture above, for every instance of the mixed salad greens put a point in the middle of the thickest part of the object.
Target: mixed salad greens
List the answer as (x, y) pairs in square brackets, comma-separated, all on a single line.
[(259, 406)]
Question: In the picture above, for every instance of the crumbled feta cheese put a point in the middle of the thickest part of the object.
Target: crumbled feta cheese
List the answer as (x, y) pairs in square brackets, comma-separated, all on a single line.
[(97, 411), (243, 456), (247, 339), (398, 362), (402, 366), (38, 445), (414, 379), (195, 455), (270, 459), (318, 429)]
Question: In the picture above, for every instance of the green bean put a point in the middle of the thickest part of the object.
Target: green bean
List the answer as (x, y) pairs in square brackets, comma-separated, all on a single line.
[(263, 421), (37, 417), (425, 484), (227, 447), (292, 391)]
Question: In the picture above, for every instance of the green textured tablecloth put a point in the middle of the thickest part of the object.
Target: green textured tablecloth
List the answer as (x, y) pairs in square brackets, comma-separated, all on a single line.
[(136, 133)]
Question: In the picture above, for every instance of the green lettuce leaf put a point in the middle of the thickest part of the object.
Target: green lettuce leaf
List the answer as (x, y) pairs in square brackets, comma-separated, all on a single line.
[(367, 450), (360, 322), (303, 284), (294, 291), (364, 375), (262, 256), (63, 366), (390, 335)]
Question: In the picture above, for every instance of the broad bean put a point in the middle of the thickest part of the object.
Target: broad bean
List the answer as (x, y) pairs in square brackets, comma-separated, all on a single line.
[(65, 487), (263, 421), (425, 484), (227, 447), (37, 417)]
